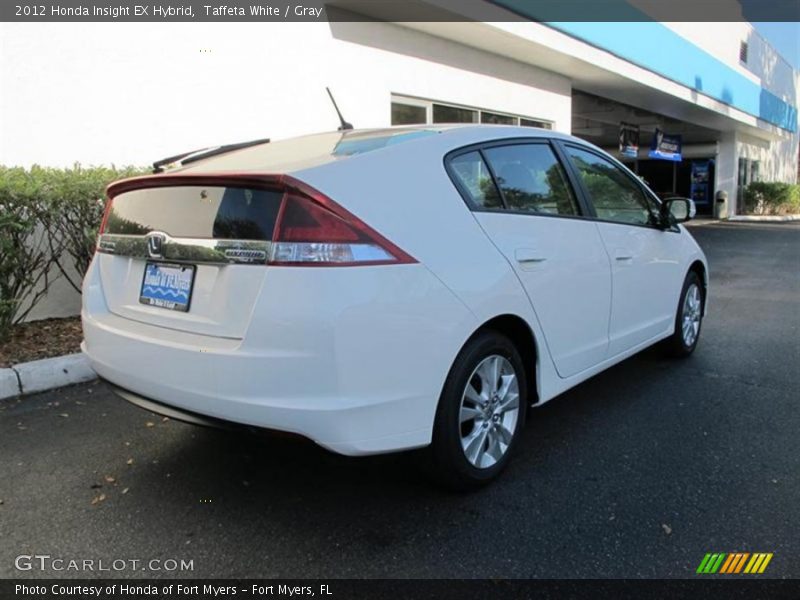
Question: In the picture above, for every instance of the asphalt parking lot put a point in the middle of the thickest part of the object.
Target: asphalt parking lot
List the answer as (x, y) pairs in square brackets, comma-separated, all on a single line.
[(636, 473)]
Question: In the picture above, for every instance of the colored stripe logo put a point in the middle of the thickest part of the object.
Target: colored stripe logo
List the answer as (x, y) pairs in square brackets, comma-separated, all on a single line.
[(734, 562)]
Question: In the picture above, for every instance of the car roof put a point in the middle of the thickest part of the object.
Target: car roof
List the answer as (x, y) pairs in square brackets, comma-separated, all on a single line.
[(308, 151)]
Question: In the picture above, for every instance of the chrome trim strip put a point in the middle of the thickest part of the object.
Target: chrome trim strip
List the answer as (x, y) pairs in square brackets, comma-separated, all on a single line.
[(187, 250)]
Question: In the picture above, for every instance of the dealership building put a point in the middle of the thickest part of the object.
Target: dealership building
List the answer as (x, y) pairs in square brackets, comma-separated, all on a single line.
[(722, 102)]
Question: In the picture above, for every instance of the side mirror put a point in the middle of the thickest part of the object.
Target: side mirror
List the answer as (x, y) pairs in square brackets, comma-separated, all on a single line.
[(677, 210)]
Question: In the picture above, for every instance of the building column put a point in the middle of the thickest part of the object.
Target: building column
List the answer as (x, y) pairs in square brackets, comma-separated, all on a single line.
[(726, 169)]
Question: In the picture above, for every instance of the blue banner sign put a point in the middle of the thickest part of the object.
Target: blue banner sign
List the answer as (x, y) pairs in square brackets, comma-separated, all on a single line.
[(700, 190), (665, 146)]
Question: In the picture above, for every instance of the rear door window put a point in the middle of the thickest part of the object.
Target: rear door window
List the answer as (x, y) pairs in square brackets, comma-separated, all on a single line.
[(531, 179)]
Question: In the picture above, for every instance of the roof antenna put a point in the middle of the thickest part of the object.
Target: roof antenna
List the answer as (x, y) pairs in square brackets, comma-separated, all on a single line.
[(344, 124)]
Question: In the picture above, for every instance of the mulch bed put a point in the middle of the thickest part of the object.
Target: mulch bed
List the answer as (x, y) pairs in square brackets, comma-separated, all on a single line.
[(41, 339)]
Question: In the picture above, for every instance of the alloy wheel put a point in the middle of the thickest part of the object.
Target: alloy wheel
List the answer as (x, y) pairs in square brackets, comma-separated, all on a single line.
[(692, 308), (489, 411)]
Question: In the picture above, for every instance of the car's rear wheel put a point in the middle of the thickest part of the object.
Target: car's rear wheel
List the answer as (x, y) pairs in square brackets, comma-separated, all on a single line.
[(688, 319), (481, 413)]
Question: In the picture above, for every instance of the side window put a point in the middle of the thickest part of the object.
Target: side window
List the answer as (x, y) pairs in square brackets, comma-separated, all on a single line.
[(531, 179), (474, 177), (614, 195)]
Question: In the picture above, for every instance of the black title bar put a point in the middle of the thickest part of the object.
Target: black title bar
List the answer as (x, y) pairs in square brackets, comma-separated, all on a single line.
[(708, 588)]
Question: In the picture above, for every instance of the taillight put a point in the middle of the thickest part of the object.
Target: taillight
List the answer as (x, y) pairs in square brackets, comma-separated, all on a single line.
[(103, 223), (312, 230)]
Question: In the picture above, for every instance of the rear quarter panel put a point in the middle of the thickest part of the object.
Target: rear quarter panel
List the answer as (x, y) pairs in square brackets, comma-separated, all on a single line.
[(405, 193)]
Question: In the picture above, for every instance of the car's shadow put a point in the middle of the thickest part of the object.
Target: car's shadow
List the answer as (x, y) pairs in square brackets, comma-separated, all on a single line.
[(215, 464)]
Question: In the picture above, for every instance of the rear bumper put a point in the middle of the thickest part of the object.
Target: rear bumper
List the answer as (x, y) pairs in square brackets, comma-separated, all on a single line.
[(336, 371), (170, 411)]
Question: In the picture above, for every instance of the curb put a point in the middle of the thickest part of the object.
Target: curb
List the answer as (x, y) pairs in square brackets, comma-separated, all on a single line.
[(702, 222), (45, 374), (765, 218)]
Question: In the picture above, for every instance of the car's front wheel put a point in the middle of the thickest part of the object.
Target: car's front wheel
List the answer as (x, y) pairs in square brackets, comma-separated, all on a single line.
[(481, 412), (688, 319)]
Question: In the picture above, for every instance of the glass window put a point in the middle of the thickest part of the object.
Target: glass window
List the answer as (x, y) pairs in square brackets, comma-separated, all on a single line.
[(615, 196), (532, 123), (453, 114), (196, 212), (408, 114), (755, 171), (742, 180), (471, 172), (496, 119), (532, 179)]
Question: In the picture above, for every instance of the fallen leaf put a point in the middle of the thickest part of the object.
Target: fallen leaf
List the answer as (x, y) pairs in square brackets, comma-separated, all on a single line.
[(98, 499), (164, 419), (65, 415), (667, 529), (129, 461), (125, 490), (127, 443), (150, 424), (109, 479)]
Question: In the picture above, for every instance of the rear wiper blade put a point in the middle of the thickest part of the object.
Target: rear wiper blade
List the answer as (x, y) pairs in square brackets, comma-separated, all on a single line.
[(195, 155), (159, 165)]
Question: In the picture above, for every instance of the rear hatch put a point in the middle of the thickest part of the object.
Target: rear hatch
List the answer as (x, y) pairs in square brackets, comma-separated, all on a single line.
[(187, 253), (190, 252)]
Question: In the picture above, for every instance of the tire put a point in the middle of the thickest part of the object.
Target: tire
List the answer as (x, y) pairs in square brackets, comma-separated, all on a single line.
[(469, 454), (688, 318)]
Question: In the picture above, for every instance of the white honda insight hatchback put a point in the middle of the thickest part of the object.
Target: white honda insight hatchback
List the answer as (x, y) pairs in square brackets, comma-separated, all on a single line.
[(383, 290)]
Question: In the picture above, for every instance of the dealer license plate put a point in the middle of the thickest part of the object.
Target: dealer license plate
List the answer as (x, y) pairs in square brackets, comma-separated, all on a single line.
[(167, 286)]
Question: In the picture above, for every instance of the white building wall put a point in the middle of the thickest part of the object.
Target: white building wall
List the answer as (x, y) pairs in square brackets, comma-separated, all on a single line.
[(764, 66), (130, 93)]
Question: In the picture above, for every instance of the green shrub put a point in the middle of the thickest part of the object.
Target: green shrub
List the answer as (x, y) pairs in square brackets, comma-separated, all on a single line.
[(772, 198), (77, 198), (25, 252), (48, 218)]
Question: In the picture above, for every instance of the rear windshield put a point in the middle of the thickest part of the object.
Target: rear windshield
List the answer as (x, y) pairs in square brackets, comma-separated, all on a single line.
[(228, 213)]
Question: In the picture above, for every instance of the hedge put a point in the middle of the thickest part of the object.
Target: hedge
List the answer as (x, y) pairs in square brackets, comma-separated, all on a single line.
[(772, 198), (48, 223)]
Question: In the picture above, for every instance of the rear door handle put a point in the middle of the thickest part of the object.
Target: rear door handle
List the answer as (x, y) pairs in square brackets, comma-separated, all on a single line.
[(622, 255), (528, 256)]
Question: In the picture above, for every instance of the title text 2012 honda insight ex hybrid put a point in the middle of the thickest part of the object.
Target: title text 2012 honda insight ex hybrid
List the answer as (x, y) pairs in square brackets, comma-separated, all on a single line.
[(388, 289)]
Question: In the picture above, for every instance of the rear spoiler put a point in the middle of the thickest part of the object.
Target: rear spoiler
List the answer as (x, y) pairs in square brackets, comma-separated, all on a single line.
[(185, 158)]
